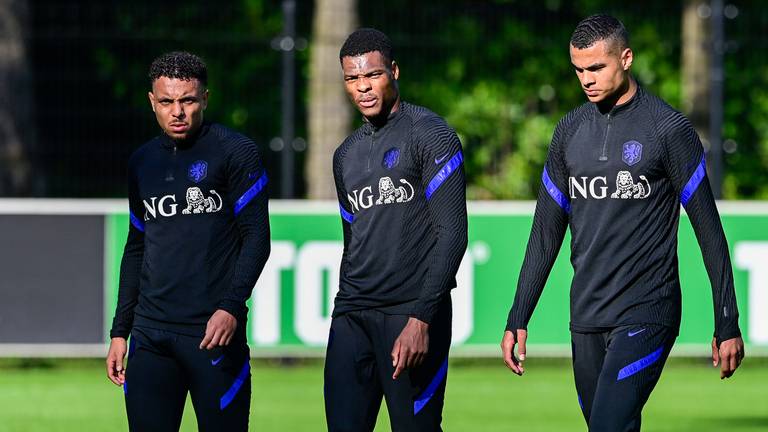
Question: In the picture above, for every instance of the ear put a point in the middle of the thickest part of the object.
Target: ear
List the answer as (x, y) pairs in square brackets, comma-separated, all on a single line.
[(151, 100), (395, 70), (626, 58), (204, 100)]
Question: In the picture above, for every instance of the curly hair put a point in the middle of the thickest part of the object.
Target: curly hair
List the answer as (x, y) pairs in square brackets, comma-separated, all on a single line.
[(600, 27), (367, 40), (179, 64)]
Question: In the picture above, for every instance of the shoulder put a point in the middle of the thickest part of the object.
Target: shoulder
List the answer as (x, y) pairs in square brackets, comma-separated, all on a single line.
[(354, 137), (231, 141), (143, 152), (423, 119), (573, 118), (668, 120), (428, 127)]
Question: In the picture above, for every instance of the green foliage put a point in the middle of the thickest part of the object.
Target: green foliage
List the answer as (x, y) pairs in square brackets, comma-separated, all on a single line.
[(499, 72)]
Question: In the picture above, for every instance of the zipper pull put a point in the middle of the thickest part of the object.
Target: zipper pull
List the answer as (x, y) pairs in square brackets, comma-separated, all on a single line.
[(169, 174)]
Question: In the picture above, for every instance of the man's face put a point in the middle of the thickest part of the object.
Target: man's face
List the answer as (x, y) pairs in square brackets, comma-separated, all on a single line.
[(178, 105), (371, 83), (602, 69)]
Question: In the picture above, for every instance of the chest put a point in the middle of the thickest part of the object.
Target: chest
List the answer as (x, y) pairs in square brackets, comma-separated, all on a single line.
[(381, 169), (182, 182), (620, 158)]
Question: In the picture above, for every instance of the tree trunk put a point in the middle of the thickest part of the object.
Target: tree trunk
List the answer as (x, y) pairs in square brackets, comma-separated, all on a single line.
[(16, 126), (695, 67), (330, 112)]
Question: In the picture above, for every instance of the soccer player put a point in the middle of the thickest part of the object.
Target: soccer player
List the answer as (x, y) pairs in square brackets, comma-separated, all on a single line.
[(401, 191), (618, 168), (198, 240)]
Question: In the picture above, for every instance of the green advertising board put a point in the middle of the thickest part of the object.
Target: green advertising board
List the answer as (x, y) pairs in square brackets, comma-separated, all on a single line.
[(291, 304)]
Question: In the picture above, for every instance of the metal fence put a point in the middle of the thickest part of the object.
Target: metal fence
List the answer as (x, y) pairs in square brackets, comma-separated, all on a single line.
[(87, 60)]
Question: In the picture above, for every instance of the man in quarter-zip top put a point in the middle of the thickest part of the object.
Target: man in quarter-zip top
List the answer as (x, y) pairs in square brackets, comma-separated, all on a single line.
[(197, 241), (618, 169), (401, 191)]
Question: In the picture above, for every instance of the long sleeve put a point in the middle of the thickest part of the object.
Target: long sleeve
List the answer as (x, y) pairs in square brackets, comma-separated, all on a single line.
[(442, 171), (130, 266), (247, 189), (347, 217), (550, 221), (686, 167)]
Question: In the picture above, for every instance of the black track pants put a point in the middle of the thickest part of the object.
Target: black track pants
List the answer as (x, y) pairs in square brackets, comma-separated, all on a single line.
[(616, 371), (358, 372), (163, 366)]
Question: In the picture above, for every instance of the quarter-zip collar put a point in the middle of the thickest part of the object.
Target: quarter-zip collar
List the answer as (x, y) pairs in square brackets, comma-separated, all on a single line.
[(617, 110)]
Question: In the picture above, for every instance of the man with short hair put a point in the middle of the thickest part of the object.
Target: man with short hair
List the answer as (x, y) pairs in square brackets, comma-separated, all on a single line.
[(197, 241), (618, 168), (400, 184)]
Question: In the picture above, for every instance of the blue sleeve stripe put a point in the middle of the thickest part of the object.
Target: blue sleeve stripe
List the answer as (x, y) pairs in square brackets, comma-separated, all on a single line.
[(427, 394), (639, 365), (444, 173), (555, 193), (136, 222), (250, 194), (694, 182), (232, 392), (347, 216)]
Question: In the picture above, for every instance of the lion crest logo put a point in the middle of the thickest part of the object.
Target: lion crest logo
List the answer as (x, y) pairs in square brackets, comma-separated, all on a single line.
[(389, 193), (632, 152), (197, 202), (626, 188), (391, 158), (198, 171)]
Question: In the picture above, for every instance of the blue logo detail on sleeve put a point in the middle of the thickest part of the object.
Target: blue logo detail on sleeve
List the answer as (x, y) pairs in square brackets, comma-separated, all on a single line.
[(136, 222), (444, 173), (635, 367), (633, 333), (693, 183), (427, 394), (250, 194), (632, 152), (555, 193), (347, 216), (198, 171), (391, 158)]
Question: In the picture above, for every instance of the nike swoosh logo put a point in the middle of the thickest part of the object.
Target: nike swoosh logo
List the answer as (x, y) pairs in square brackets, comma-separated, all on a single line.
[(217, 361), (437, 161), (630, 334)]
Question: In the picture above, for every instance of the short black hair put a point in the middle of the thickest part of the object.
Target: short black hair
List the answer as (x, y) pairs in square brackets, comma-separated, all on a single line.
[(179, 64), (600, 27), (367, 40)]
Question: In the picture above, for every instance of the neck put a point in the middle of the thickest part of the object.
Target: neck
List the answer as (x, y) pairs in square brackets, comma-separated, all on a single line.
[(620, 97), (381, 119)]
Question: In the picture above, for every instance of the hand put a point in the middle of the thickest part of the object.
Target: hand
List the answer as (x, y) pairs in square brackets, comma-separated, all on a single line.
[(508, 343), (411, 346), (220, 329), (729, 355), (115, 358)]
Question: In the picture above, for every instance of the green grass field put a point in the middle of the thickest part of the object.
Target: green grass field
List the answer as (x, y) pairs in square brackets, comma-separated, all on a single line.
[(69, 395)]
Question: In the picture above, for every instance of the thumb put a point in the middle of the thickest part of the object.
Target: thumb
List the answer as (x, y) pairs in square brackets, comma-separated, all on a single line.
[(395, 353), (522, 336), (715, 353), (118, 362)]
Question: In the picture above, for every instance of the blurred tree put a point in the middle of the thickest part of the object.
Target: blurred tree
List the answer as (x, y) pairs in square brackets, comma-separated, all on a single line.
[(16, 125), (330, 113), (695, 66)]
